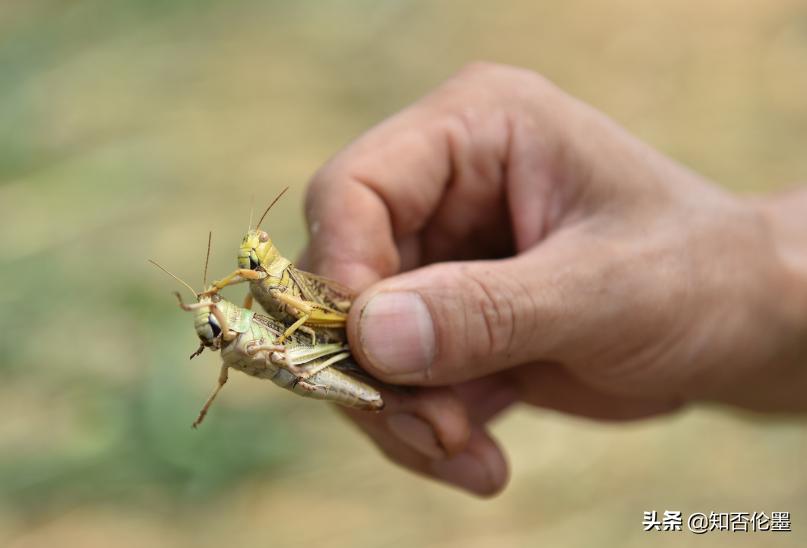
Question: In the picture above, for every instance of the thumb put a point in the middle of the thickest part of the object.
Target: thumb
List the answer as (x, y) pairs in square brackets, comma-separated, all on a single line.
[(452, 322)]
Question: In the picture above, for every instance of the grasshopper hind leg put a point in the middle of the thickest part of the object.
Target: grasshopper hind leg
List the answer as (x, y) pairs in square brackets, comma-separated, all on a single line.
[(306, 373)]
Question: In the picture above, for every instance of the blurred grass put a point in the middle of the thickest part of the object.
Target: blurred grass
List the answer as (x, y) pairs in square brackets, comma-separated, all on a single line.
[(130, 128)]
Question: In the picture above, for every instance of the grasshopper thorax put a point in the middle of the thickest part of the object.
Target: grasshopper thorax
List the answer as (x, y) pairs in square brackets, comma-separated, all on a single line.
[(257, 251)]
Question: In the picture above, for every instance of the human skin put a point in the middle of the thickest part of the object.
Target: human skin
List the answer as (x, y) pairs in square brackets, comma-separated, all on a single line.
[(512, 244)]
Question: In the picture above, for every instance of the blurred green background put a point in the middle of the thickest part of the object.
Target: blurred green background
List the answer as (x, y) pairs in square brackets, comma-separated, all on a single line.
[(129, 128)]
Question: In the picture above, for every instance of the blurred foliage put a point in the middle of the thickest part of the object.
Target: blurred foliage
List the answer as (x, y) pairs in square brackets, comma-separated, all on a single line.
[(129, 128), (126, 435), (122, 435), (139, 445)]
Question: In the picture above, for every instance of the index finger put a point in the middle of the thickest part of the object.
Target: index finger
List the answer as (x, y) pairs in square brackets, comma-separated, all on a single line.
[(371, 193), (365, 204)]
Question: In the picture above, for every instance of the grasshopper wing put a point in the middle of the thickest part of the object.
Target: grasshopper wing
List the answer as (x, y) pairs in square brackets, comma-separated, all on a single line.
[(324, 291), (350, 367)]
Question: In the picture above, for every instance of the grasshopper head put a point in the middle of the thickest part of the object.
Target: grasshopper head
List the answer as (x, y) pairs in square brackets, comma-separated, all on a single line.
[(211, 318), (217, 321), (205, 322), (257, 250)]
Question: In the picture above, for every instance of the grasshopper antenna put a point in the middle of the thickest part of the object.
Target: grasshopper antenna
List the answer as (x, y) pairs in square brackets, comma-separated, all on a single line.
[(251, 211), (177, 278), (207, 258), (282, 192)]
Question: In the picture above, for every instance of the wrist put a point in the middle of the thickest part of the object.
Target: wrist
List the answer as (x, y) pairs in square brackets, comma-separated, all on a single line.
[(784, 216)]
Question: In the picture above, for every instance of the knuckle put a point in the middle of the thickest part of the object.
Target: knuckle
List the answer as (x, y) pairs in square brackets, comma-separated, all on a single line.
[(508, 87), (502, 74), (494, 314), (477, 68)]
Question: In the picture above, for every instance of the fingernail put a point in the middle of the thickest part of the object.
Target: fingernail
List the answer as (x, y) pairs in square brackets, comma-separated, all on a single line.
[(467, 471), (417, 434), (397, 333)]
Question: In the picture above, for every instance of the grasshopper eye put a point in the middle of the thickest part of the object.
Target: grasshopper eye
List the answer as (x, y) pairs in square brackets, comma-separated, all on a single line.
[(263, 237), (215, 297), (215, 327)]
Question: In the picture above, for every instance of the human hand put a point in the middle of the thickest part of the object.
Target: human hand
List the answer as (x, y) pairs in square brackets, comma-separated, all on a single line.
[(514, 244)]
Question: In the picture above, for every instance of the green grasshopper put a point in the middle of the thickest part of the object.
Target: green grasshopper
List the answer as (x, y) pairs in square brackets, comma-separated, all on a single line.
[(250, 343), (300, 299)]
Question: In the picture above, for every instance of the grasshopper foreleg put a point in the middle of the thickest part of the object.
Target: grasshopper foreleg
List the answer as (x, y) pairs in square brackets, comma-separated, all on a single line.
[(222, 381), (236, 277)]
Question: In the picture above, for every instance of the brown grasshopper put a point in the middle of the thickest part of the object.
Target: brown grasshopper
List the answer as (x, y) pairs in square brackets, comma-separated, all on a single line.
[(256, 345)]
